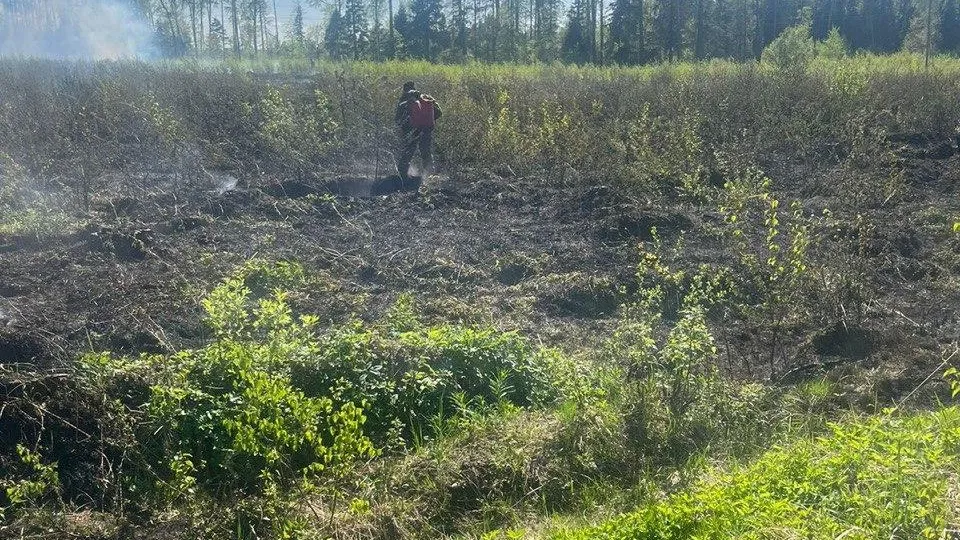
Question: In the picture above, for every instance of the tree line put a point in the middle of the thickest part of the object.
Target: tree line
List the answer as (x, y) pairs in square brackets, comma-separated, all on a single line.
[(626, 32)]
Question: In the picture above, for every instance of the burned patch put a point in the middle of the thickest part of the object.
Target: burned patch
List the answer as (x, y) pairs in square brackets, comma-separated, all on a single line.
[(10, 290), (292, 189), (19, 349), (639, 224), (131, 245), (395, 184), (346, 186), (842, 341), (578, 295)]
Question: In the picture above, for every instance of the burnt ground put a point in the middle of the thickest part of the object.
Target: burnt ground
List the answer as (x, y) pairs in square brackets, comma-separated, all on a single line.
[(476, 248), (551, 257)]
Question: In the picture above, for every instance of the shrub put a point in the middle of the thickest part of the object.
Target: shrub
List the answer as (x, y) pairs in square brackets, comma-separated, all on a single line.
[(407, 374), (33, 481), (269, 401), (832, 48), (26, 209), (792, 50), (296, 134), (228, 415), (884, 477)]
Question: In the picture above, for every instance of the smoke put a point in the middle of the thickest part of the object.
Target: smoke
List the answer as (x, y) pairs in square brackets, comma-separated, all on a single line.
[(87, 29)]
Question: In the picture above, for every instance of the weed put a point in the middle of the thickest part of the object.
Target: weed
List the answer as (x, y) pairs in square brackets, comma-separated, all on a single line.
[(882, 477)]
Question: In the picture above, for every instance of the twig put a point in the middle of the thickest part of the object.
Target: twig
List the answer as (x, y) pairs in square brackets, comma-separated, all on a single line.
[(930, 376)]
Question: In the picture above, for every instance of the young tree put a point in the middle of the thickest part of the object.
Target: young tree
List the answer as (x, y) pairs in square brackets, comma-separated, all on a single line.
[(296, 26), (218, 35), (334, 41)]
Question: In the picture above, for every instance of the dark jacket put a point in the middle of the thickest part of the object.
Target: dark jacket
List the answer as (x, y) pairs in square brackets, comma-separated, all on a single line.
[(402, 116)]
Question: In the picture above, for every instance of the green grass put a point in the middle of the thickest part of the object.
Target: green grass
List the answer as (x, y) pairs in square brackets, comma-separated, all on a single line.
[(888, 476)]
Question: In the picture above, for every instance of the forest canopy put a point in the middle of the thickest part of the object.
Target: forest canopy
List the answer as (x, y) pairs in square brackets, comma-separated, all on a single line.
[(626, 32)]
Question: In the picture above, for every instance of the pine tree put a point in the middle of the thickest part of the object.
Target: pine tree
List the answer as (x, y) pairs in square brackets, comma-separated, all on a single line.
[(546, 25), (627, 32), (458, 15), (355, 29), (700, 29), (235, 20), (296, 27), (576, 46), (333, 36), (378, 34), (668, 23), (949, 38), (425, 32), (905, 13), (773, 17), (880, 26), (827, 15), (722, 40)]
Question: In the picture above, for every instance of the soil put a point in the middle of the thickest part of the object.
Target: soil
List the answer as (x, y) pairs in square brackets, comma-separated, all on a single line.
[(552, 258)]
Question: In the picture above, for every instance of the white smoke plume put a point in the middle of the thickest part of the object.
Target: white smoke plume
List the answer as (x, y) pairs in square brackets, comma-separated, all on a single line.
[(87, 29)]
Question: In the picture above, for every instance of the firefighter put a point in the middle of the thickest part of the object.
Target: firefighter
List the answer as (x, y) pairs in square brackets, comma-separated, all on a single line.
[(416, 116)]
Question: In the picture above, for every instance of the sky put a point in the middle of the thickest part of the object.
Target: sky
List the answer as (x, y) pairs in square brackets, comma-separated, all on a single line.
[(311, 15)]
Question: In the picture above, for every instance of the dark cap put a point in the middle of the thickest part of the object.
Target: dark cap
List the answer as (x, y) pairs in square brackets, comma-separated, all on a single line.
[(408, 86)]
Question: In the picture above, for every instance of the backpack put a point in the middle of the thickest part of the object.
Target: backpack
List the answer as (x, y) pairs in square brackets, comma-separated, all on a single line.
[(421, 113)]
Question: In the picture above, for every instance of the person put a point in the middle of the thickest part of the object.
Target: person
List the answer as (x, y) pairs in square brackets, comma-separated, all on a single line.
[(416, 116)]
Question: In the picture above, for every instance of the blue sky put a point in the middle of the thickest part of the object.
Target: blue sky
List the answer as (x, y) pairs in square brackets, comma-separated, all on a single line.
[(311, 15)]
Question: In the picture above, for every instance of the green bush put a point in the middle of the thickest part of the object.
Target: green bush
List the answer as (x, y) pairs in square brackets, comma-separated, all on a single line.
[(792, 50), (227, 414), (78, 121), (33, 481), (269, 400), (407, 374)]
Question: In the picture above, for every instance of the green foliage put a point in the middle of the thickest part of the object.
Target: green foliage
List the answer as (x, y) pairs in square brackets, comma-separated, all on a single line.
[(773, 267), (295, 132), (227, 416), (169, 129), (884, 477), (27, 210), (670, 364), (832, 48), (654, 127), (408, 374), (952, 375), (662, 152), (524, 135), (792, 50), (269, 402), (34, 480)]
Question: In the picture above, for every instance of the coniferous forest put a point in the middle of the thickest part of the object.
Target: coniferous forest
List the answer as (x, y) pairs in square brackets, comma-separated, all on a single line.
[(623, 32)]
